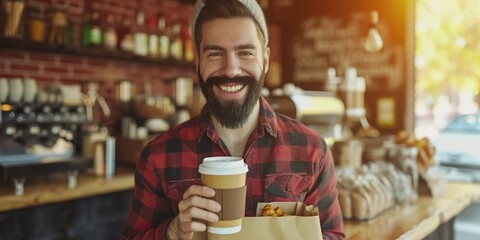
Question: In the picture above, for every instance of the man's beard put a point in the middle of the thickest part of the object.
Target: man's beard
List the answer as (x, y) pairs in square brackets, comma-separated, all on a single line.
[(232, 114)]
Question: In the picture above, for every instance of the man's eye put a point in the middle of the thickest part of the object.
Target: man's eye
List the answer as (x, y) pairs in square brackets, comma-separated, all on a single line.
[(214, 54), (245, 53)]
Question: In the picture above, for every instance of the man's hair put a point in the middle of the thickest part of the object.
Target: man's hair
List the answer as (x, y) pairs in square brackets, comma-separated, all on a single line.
[(215, 9)]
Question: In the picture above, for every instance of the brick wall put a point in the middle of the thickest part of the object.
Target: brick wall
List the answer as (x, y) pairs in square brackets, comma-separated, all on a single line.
[(49, 68), (66, 69)]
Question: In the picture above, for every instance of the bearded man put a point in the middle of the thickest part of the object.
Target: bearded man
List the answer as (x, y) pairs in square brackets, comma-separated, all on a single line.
[(286, 160)]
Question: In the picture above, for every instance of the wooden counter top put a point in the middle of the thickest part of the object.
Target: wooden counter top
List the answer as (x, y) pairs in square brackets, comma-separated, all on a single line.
[(53, 191), (416, 219), (411, 220)]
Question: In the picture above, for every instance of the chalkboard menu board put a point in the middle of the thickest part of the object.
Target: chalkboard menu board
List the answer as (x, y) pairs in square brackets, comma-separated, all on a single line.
[(328, 33), (325, 42)]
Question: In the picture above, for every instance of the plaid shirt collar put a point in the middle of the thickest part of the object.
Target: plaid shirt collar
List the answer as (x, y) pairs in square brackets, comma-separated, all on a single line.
[(267, 122)]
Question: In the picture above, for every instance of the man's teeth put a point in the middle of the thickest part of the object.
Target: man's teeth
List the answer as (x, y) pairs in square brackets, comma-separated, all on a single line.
[(231, 88)]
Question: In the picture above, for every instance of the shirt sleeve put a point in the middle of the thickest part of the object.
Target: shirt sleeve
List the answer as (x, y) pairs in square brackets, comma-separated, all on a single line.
[(150, 213), (324, 194)]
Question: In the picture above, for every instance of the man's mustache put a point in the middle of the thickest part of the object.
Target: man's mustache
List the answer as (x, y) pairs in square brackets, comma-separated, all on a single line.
[(224, 80)]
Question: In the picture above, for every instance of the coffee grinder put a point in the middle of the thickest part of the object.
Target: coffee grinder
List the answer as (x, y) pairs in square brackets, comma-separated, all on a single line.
[(351, 90), (182, 91)]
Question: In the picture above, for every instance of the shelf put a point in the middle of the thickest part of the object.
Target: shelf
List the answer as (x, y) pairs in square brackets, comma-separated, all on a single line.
[(41, 166), (88, 52), (41, 113), (38, 192)]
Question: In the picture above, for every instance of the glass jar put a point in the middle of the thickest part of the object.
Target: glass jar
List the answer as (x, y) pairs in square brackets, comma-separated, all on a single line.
[(36, 24)]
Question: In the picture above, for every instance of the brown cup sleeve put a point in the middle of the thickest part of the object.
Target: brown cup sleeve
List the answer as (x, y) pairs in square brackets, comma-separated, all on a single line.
[(233, 206)]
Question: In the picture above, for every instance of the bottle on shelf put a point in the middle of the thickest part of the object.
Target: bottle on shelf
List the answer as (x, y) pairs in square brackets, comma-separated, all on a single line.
[(163, 38), (125, 36), (86, 31), (59, 22), (74, 34), (189, 48), (96, 31), (36, 24), (140, 36), (110, 33), (176, 42), (152, 37)]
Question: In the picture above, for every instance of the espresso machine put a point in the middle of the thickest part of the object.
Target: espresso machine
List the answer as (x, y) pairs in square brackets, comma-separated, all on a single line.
[(39, 132), (321, 111)]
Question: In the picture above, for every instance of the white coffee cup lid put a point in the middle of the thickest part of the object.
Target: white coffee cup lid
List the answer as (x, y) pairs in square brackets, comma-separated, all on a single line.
[(225, 165)]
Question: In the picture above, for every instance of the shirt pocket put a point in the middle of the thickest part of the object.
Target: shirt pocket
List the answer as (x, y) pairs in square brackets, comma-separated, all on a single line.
[(284, 187), (176, 188)]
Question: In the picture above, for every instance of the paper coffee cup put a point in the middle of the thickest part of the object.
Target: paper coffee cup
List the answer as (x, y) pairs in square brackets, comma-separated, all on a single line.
[(227, 175)]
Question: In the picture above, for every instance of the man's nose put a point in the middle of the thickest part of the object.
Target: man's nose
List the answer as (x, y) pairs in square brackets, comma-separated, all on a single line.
[(231, 66)]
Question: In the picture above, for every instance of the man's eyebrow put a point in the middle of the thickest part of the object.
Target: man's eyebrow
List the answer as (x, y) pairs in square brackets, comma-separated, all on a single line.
[(239, 47), (212, 47), (245, 46)]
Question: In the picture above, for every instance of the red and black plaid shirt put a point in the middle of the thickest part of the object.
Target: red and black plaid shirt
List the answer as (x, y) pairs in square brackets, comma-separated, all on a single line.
[(286, 162)]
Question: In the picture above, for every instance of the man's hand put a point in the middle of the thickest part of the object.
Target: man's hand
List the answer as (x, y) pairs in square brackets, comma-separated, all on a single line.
[(194, 210)]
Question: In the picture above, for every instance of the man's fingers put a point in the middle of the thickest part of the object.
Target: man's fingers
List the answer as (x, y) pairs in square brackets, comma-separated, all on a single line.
[(197, 213), (203, 191), (196, 208), (200, 202), (193, 227)]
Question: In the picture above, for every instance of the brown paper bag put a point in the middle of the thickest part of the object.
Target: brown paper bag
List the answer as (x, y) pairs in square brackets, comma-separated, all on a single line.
[(295, 226)]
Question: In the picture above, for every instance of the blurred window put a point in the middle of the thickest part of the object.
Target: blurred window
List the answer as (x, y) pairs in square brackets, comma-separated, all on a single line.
[(447, 82), (465, 123)]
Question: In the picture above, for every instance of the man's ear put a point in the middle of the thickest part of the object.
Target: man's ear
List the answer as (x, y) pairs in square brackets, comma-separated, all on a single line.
[(197, 63), (266, 59), (197, 60)]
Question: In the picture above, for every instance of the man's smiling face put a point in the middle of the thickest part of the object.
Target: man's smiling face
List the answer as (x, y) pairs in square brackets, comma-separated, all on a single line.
[(232, 64)]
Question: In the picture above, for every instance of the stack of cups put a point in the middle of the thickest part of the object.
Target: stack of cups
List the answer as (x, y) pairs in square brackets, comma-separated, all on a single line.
[(110, 157), (227, 175)]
